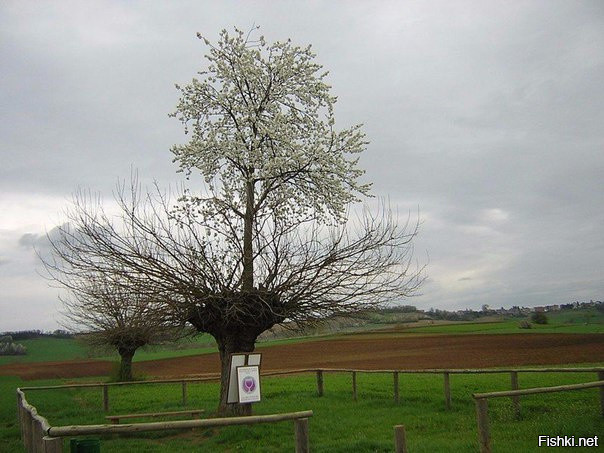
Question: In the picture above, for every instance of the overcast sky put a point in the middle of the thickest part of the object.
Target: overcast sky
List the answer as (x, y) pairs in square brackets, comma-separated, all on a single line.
[(488, 116)]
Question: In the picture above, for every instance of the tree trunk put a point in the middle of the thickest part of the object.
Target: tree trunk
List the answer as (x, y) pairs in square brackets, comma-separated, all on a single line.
[(125, 371), (248, 251), (235, 319), (230, 343)]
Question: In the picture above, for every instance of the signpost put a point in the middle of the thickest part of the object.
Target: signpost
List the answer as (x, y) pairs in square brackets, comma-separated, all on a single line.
[(248, 378), (240, 389)]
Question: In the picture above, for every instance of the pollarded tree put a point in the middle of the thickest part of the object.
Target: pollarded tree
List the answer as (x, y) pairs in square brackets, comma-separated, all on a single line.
[(113, 311), (270, 238), (115, 315), (279, 181)]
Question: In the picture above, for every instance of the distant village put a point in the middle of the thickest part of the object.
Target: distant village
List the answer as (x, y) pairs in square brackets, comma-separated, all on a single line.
[(486, 310), (380, 316)]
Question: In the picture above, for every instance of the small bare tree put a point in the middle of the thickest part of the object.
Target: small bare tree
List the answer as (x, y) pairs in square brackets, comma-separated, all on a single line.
[(117, 316), (112, 311)]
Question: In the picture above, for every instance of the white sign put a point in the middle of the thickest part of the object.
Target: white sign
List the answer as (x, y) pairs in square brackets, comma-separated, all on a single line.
[(248, 378), (253, 359), (237, 360)]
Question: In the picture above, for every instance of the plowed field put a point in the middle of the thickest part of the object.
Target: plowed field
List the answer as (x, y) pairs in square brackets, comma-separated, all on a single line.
[(363, 351)]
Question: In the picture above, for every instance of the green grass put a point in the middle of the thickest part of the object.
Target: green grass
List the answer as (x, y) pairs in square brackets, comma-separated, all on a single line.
[(48, 350), (61, 349), (575, 321), (338, 424)]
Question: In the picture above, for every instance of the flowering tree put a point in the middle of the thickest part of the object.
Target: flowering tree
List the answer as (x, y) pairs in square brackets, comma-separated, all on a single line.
[(270, 238), (279, 180)]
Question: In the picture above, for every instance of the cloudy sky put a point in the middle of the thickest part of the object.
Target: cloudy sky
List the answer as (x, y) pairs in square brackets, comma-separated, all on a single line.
[(487, 115)]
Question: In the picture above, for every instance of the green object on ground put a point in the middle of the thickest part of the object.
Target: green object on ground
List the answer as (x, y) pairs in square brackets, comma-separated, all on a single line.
[(85, 446)]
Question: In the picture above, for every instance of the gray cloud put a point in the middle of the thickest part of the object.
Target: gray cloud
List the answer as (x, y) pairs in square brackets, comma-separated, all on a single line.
[(41, 241), (486, 115), (28, 240)]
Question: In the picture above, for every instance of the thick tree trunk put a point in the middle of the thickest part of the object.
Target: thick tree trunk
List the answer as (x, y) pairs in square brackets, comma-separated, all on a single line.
[(235, 319), (125, 371), (228, 344)]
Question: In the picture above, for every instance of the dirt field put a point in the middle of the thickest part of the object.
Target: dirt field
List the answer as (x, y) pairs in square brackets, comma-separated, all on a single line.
[(363, 352)]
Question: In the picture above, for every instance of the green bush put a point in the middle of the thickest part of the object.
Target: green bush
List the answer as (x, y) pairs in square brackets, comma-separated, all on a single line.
[(539, 317), (525, 325)]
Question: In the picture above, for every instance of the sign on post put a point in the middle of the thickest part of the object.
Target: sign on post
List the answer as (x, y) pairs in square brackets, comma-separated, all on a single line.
[(242, 360), (248, 378)]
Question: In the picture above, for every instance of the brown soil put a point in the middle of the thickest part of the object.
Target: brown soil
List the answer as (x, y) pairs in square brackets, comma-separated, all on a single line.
[(363, 351)]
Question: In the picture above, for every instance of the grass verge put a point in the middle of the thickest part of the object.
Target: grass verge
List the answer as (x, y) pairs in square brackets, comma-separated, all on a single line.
[(339, 424)]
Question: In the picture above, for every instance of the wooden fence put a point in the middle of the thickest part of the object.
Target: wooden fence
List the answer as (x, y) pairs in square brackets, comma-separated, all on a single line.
[(39, 437), (33, 424), (481, 401), (320, 376), (446, 373)]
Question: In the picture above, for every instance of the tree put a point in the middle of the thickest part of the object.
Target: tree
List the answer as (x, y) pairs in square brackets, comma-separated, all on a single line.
[(271, 238), (120, 318), (539, 317), (263, 137), (111, 310)]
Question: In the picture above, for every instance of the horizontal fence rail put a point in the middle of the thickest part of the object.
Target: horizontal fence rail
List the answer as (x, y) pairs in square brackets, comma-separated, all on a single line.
[(82, 430), (39, 437), (482, 407), (533, 391), (35, 429), (320, 372), (214, 376)]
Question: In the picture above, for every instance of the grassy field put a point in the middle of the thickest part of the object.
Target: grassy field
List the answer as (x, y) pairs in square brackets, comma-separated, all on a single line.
[(47, 350), (59, 349), (338, 424), (62, 349), (572, 321)]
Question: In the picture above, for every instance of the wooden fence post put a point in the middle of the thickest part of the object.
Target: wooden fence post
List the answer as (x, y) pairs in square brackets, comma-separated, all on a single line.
[(184, 393), (482, 420), (396, 392), (27, 425), (301, 433), (53, 444), (601, 378), (400, 441), (105, 398), (23, 422), (320, 382), (354, 385), (515, 399), (447, 391), (19, 414), (38, 436)]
